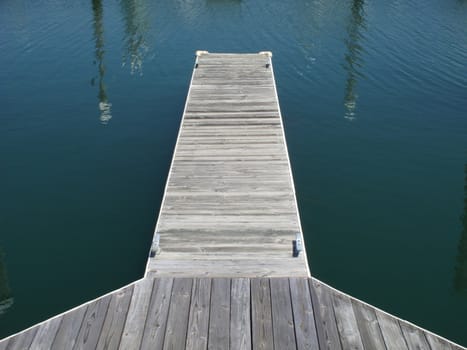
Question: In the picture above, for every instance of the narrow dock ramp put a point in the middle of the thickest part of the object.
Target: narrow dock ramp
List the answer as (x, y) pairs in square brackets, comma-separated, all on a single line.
[(229, 208)]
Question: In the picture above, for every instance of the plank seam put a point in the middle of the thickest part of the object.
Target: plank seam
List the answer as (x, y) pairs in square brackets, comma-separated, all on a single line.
[(189, 307), (293, 314), (168, 310), (126, 316), (390, 315)]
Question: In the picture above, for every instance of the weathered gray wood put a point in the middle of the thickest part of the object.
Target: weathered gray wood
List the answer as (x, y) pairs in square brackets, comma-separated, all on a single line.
[(136, 318), (282, 317), (23, 340), (240, 325), (115, 319), (93, 321), (325, 320), (46, 334), (261, 314), (69, 329), (368, 325), (346, 322), (156, 321), (437, 343), (304, 321), (391, 331), (219, 320), (230, 172), (177, 322), (414, 337), (198, 324)]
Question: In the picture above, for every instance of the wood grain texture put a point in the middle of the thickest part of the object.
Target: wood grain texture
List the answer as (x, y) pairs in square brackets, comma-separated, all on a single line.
[(346, 322), (93, 321), (261, 314), (198, 324), (177, 321), (240, 323), (230, 173), (219, 320), (156, 321), (437, 343), (115, 319), (22, 341), (136, 318), (304, 321), (69, 328), (391, 331), (282, 317), (414, 338), (325, 320), (368, 325), (46, 334)]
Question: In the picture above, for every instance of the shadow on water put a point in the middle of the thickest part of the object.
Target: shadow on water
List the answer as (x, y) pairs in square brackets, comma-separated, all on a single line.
[(104, 104), (136, 22), (6, 298), (460, 276), (353, 59)]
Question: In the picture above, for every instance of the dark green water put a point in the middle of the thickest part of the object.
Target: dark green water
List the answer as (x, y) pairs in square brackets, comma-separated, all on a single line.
[(374, 99)]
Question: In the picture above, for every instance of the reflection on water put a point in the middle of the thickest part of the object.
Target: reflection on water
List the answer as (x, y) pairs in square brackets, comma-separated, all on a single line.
[(135, 15), (104, 104), (460, 276), (353, 60), (6, 299)]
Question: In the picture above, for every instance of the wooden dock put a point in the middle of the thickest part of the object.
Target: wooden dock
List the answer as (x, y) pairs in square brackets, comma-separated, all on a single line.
[(226, 313), (221, 274), (229, 207)]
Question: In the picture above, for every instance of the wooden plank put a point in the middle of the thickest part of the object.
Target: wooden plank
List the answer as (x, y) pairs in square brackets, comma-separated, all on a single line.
[(46, 334), (219, 320), (414, 337), (282, 317), (240, 325), (23, 340), (437, 343), (261, 314), (391, 331), (177, 322), (115, 319), (198, 324), (303, 314), (69, 329), (368, 326), (93, 321), (156, 322), (133, 330), (346, 321), (325, 320)]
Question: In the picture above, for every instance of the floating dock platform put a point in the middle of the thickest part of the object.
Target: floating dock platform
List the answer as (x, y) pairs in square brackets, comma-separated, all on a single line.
[(227, 268)]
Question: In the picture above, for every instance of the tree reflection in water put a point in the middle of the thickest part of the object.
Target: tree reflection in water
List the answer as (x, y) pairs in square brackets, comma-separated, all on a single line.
[(353, 60), (460, 276), (135, 16), (104, 104), (6, 298)]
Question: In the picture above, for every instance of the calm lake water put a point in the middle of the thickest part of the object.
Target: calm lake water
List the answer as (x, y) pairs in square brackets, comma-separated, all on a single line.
[(374, 100)]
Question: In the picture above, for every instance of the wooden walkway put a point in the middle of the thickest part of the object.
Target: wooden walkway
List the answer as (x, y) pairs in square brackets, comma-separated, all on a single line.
[(221, 273), (229, 208), (226, 313)]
